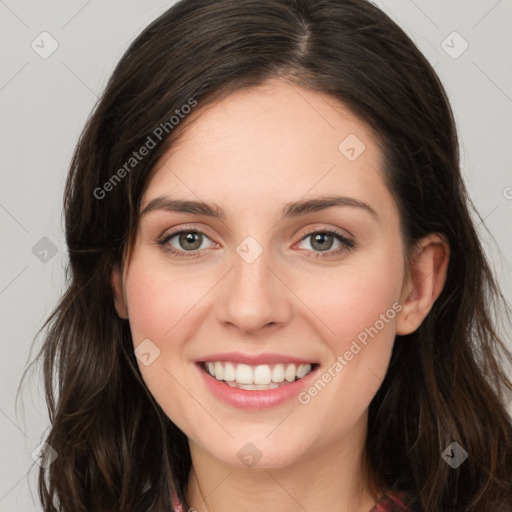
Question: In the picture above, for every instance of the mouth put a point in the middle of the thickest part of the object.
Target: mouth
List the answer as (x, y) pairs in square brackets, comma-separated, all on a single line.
[(258, 377)]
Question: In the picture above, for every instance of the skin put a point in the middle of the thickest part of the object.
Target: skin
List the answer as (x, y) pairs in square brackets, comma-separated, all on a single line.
[(251, 153)]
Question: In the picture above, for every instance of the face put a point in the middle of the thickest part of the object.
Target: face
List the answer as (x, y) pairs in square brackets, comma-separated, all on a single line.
[(290, 279)]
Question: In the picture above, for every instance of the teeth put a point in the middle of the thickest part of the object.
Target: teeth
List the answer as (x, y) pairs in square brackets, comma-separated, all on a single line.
[(219, 371), (303, 370), (289, 373), (259, 387), (229, 372), (278, 373), (243, 374), (262, 376)]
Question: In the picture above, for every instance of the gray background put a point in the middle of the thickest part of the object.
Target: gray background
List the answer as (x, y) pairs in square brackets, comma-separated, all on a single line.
[(45, 103)]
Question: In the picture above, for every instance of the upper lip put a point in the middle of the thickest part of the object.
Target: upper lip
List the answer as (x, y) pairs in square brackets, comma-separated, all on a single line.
[(253, 359)]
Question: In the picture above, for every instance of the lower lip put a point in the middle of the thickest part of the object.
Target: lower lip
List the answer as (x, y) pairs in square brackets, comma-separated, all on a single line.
[(255, 399)]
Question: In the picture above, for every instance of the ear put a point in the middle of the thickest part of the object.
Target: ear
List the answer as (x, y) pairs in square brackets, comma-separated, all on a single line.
[(119, 297), (425, 282)]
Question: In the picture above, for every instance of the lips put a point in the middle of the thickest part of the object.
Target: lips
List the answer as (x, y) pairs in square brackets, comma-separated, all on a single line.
[(255, 381)]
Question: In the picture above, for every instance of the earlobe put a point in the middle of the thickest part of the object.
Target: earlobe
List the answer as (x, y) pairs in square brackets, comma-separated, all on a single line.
[(119, 297), (425, 284)]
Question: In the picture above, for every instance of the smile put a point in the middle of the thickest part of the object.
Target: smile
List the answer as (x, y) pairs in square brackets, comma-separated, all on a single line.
[(255, 382), (258, 377)]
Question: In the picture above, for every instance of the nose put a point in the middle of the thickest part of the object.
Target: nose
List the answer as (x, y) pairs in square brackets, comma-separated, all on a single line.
[(253, 295)]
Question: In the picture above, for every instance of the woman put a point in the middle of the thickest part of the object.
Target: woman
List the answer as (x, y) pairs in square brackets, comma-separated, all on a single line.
[(326, 342)]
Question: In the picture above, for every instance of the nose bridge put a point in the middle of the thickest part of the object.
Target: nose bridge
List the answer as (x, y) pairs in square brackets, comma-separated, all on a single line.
[(253, 296)]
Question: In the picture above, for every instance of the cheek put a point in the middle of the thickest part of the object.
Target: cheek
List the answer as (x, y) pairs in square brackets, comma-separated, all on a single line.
[(353, 297), (357, 306), (159, 300), (161, 304)]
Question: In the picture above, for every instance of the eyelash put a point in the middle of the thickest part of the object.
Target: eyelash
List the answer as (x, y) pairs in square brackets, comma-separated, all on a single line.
[(348, 245)]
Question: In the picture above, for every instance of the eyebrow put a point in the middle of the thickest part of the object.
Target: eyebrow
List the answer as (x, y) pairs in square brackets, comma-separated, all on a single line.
[(290, 210)]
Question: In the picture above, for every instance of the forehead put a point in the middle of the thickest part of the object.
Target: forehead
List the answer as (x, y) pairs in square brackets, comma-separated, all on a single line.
[(268, 145)]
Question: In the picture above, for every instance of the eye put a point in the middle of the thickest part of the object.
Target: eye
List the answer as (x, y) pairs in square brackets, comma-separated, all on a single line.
[(322, 242), (188, 242)]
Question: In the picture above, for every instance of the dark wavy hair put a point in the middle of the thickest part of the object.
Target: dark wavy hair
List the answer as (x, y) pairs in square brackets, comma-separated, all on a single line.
[(447, 381)]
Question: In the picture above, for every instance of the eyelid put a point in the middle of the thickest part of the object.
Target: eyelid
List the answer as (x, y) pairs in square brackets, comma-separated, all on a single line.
[(322, 228), (184, 227)]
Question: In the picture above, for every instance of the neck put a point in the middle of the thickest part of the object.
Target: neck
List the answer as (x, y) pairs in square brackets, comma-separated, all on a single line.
[(327, 479)]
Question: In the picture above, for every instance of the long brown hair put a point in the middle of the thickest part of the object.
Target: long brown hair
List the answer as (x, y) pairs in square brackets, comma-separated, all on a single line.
[(447, 381)]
